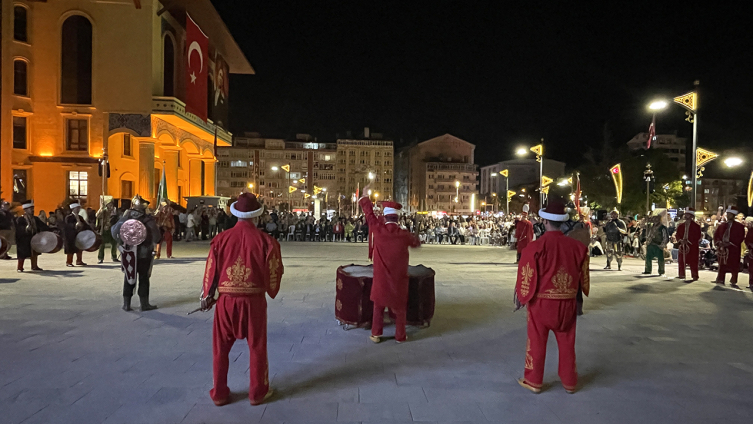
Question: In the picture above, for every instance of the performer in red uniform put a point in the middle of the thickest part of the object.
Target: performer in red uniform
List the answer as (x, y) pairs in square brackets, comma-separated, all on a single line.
[(551, 271), (390, 254), (243, 265), (728, 239), (523, 233), (749, 245), (688, 236)]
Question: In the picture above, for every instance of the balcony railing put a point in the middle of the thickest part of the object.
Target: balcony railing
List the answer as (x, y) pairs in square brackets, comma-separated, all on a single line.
[(174, 106)]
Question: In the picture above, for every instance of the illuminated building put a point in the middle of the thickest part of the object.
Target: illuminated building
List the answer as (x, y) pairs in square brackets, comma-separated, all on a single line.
[(86, 79)]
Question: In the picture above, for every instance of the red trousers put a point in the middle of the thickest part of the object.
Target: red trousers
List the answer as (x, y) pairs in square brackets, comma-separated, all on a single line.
[(34, 257), (377, 323), (235, 318), (167, 237), (731, 265), (558, 316), (79, 258), (690, 259)]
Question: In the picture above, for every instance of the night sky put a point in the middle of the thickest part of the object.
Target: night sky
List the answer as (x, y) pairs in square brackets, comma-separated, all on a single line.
[(495, 75)]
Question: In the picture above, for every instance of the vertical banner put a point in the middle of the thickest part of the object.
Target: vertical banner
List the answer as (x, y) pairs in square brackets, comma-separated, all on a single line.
[(197, 69), (220, 88)]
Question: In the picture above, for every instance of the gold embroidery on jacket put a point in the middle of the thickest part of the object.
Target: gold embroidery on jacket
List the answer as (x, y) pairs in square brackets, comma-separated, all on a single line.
[(339, 284), (274, 266), (586, 277), (209, 269), (238, 274), (562, 290), (526, 273), (529, 358), (339, 305)]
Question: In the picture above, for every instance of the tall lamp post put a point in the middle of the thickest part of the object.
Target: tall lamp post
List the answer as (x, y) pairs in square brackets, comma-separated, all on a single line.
[(539, 150), (690, 102), (457, 195), (506, 173)]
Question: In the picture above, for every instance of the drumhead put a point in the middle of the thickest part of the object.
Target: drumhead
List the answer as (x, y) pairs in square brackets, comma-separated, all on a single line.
[(45, 242), (85, 239)]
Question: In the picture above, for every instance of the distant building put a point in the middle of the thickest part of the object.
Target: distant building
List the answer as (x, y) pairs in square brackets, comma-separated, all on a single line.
[(672, 145), (256, 164), (357, 159), (439, 175), (521, 172)]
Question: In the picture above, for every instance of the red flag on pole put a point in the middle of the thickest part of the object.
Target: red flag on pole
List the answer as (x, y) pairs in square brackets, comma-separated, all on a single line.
[(197, 69), (651, 132)]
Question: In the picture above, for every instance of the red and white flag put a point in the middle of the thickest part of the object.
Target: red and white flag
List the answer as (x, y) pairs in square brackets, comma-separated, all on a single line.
[(651, 133), (197, 69)]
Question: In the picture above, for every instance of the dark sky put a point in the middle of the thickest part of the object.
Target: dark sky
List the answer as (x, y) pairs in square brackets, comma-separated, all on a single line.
[(497, 74)]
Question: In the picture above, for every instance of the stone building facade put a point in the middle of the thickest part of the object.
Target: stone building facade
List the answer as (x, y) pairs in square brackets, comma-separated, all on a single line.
[(88, 80)]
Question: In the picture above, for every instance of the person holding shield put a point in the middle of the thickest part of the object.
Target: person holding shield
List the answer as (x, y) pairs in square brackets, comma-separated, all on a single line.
[(137, 233)]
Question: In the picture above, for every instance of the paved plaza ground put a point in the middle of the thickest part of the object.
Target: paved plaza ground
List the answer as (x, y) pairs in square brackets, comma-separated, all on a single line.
[(650, 350)]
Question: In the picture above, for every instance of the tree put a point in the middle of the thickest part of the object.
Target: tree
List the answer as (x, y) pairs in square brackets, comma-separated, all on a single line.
[(596, 181)]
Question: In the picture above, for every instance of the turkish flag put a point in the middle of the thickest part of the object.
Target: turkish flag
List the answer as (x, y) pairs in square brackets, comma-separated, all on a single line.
[(197, 69)]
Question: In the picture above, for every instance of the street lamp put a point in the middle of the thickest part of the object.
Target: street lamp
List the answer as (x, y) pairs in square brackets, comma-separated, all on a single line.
[(457, 191), (495, 202), (521, 151), (733, 162), (690, 102), (658, 105)]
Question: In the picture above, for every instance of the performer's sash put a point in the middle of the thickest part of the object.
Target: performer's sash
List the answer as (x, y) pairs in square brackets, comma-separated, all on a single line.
[(128, 261)]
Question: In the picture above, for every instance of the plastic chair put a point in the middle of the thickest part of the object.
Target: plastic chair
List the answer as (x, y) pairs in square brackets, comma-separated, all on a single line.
[(291, 233)]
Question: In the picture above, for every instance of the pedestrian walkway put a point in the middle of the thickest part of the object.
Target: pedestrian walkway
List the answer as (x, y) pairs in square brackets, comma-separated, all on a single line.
[(649, 349)]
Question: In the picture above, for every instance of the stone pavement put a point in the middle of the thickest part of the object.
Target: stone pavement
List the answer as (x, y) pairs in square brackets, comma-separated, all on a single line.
[(649, 349)]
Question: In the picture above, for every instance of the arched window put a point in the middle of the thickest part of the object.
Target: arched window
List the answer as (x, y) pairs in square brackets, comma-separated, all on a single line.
[(76, 61), (168, 68), (20, 80), (20, 24)]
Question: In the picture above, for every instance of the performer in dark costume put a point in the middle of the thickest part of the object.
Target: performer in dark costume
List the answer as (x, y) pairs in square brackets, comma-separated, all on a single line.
[(144, 254), (26, 227), (73, 224)]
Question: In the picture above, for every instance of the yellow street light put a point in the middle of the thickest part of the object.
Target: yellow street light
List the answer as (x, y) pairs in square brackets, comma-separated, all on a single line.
[(274, 168), (658, 105), (494, 194), (250, 185), (457, 183), (733, 162), (371, 175), (376, 195), (521, 151)]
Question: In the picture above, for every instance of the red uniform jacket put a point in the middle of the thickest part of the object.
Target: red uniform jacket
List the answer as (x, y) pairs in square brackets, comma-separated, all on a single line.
[(552, 267), (730, 242), (689, 240), (523, 233), (243, 261), (390, 285)]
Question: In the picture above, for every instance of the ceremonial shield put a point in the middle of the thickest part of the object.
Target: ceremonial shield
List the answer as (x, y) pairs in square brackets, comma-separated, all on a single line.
[(133, 232)]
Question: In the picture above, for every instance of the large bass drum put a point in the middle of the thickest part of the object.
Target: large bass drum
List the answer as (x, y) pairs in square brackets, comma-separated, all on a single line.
[(88, 241), (46, 242)]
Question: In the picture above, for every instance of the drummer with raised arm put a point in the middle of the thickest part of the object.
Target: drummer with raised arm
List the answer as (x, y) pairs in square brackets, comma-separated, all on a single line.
[(390, 253), (27, 226)]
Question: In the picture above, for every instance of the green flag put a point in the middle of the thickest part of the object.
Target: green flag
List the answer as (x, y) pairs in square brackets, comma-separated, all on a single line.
[(162, 195)]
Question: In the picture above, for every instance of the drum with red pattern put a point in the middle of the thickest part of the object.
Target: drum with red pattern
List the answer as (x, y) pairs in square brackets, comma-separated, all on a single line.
[(354, 307)]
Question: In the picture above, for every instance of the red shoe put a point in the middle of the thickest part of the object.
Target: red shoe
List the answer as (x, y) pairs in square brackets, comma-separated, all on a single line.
[(222, 402), (266, 397)]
